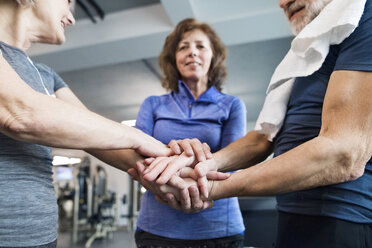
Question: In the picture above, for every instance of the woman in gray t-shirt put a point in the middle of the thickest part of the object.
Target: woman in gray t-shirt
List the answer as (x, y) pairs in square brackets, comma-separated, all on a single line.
[(37, 110)]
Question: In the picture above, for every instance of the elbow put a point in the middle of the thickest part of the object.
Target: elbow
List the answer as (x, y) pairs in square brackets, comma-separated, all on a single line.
[(350, 163), (22, 119), (21, 127)]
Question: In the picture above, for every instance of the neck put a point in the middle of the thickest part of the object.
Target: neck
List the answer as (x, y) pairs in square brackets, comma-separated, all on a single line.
[(14, 25), (197, 87)]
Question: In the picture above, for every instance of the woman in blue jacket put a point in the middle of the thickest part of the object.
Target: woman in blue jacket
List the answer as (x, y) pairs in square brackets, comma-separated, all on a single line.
[(193, 65)]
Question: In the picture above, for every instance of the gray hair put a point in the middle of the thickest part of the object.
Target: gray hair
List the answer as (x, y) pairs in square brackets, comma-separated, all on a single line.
[(25, 2)]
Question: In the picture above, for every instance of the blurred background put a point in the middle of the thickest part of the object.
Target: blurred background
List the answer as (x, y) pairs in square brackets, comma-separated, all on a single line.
[(110, 62)]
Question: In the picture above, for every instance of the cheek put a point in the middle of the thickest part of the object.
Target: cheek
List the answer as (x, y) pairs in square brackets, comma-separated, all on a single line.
[(208, 61), (178, 65)]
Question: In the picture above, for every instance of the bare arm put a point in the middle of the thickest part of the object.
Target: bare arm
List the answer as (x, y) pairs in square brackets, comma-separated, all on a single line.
[(123, 159), (338, 154), (244, 152), (34, 117)]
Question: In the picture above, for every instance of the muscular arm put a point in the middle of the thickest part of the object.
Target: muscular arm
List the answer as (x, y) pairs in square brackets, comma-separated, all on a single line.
[(244, 152), (338, 154)]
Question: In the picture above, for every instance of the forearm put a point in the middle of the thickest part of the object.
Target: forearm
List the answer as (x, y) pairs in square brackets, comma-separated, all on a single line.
[(56, 123), (315, 163), (120, 159), (244, 152)]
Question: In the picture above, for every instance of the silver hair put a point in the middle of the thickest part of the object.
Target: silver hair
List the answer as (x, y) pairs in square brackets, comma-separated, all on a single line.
[(25, 2)]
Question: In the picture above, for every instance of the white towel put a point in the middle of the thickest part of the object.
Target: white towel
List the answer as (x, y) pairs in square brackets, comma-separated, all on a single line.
[(306, 55)]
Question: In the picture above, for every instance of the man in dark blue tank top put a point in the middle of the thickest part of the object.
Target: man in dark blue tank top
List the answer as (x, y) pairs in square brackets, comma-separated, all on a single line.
[(322, 168)]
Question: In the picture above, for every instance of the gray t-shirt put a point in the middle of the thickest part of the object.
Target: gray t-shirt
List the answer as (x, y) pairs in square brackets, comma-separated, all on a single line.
[(28, 207)]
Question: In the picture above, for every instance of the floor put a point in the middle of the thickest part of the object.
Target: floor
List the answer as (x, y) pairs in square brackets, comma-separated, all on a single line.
[(121, 239)]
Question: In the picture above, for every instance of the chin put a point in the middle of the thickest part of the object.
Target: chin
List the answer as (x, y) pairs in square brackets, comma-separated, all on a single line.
[(59, 40)]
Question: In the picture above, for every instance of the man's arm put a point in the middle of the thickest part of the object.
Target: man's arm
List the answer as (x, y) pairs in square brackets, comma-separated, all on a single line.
[(338, 154), (249, 150), (30, 116)]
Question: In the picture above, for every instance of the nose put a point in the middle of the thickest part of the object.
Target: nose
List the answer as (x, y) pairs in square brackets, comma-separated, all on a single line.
[(193, 51), (70, 19), (285, 3)]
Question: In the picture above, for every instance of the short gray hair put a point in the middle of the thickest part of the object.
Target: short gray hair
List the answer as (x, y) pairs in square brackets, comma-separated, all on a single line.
[(25, 2)]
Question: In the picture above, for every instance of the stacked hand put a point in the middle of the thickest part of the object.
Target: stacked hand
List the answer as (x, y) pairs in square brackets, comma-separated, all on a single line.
[(181, 180)]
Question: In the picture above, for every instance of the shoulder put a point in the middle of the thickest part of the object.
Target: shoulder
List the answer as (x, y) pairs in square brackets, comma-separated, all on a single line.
[(157, 100), (229, 100), (365, 22), (44, 68)]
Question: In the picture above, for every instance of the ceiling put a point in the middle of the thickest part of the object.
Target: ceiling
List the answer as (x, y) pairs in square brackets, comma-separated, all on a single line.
[(112, 65), (110, 6), (138, 28)]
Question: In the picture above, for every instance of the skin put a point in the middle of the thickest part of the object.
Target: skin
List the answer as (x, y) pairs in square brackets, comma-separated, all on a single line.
[(193, 58), (64, 121), (338, 154), (301, 12)]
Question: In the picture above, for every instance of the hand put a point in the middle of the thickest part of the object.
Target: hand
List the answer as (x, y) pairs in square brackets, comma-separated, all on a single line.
[(166, 167), (191, 147), (137, 173), (197, 202), (175, 181), (150, 147)]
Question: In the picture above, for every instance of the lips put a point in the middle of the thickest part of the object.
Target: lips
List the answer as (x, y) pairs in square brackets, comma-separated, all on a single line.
[(192, 63), (292, 12)]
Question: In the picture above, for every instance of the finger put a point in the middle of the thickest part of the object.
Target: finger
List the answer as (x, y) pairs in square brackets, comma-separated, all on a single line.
[(140, 167), (154, 163), (186, 147), (175, 147), (215, 175), (177, 182), (173, 167), (185, 200), (188, 172), (148, 161), (202, 169), (207, 204), (184, 196), (159, 199), (158, 167), (203, 185), (172, 202), (133, 173), (198, 149), (207, 151), (196, 202)]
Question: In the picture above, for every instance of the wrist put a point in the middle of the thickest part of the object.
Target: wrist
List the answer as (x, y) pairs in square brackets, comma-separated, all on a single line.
[(219, 161), (213, 190), (133, 136)]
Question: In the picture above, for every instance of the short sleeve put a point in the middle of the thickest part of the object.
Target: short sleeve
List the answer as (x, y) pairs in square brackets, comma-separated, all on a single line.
[(58, 81), (355, 52), (145, 116), (52, 77)]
